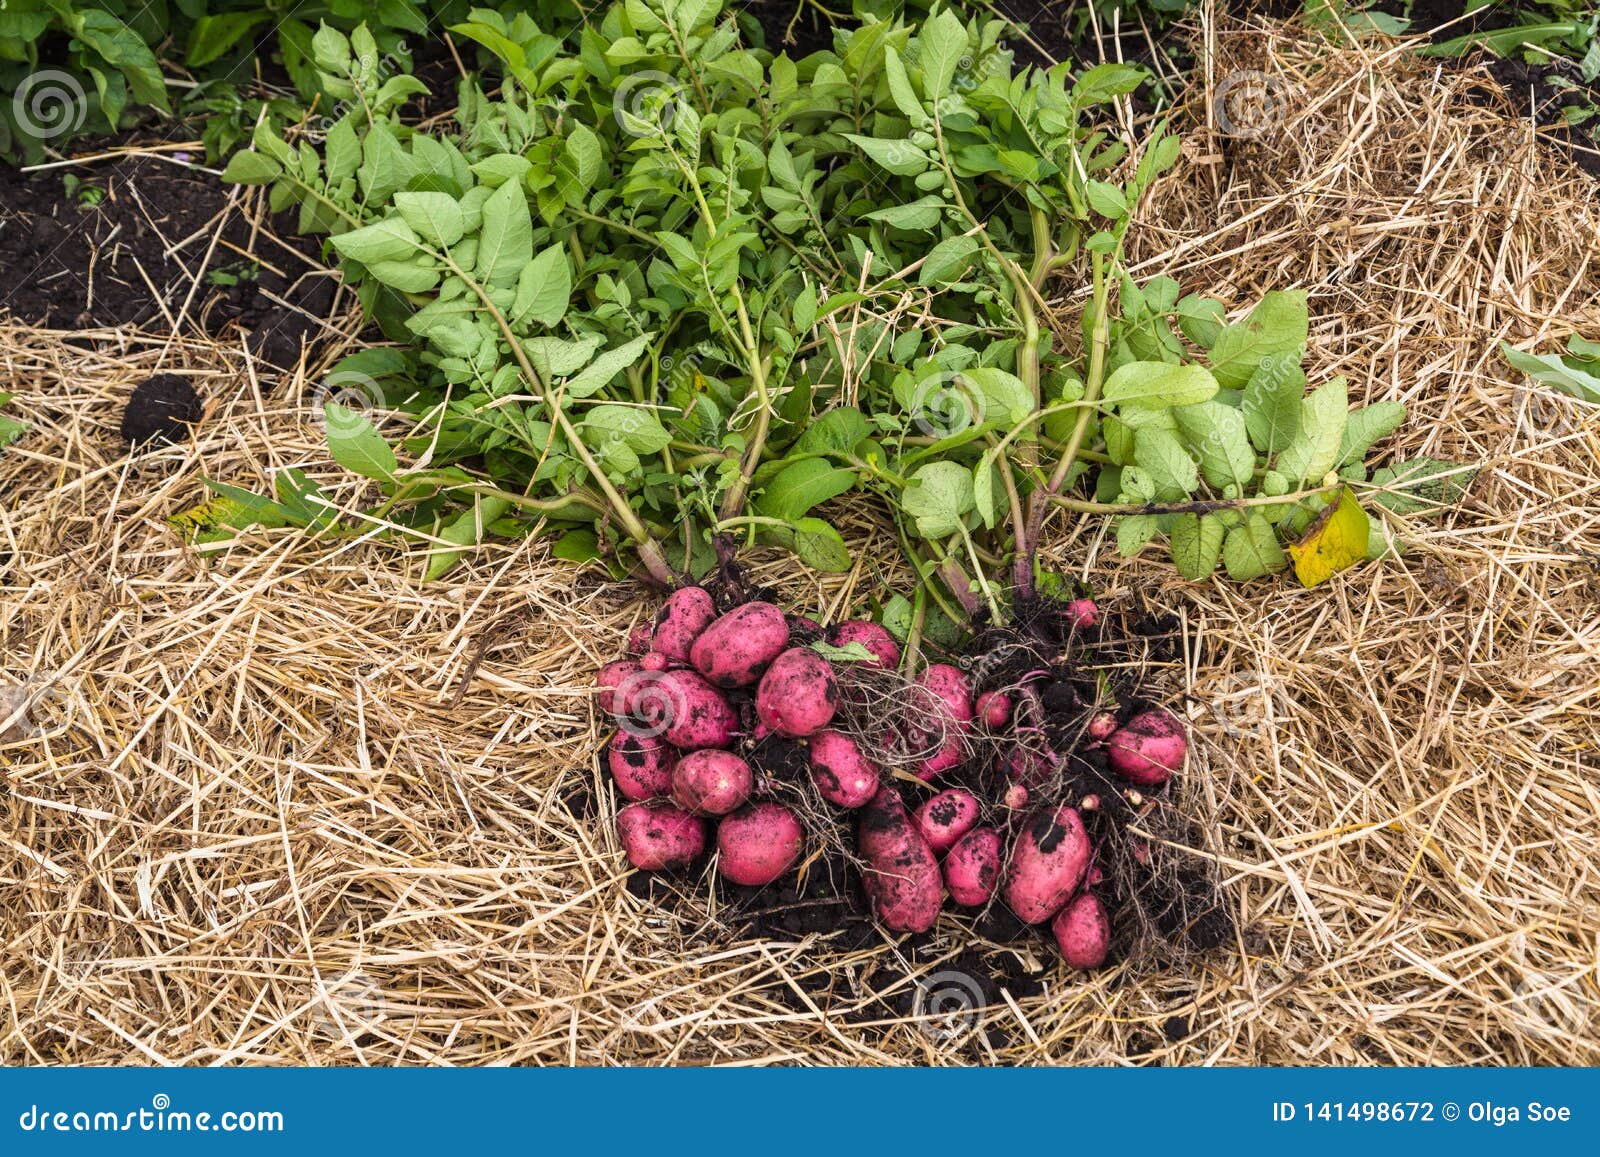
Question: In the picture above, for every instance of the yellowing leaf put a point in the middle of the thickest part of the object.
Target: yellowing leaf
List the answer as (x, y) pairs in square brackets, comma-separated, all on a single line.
[(1335, 541)]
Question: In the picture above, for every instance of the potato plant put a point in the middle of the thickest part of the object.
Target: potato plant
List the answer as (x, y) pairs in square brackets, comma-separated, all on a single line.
[(668, 294)]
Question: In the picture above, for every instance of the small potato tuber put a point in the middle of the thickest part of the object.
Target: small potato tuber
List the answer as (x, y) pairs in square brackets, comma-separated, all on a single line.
[(877, 639), (758, 843), (944, 818), (1148, 749), (844, 777), (734, 650), (659, 835), (686, 614), (711, 782), (798, 694), (972, 868), (902, 876), (1082, 931), (641, 765), (1047, 866)]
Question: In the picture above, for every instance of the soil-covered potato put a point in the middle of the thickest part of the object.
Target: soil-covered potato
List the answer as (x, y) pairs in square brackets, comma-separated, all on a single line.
[(735, 650), (1048, 863)]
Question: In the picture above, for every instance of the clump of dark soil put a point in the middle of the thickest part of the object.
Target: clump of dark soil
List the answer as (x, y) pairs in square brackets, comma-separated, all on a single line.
[(140, 240), (161, 410)]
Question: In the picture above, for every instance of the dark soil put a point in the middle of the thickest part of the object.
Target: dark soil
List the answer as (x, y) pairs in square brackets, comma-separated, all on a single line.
[(127, 244), (161, 409)]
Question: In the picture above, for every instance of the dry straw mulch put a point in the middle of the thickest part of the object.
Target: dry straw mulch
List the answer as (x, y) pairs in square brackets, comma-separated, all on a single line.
[(285, 805)]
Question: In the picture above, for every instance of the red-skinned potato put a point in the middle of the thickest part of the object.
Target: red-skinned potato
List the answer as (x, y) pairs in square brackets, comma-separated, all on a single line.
[(687, 612), (994, 709), (972, 869), (902, 876), (798, 694), (734, 650), (1082, 931), (654, 661), (758, 843), (683, 708), (944, 818), (877, 639), (844, 777), (1083, 613), (711, 782), (1148, 748), (1048, 863), (1102, 726), (639, 639), (942, 692), (947, 691), (1016, 797), (641, 765), (659, 835), (610, 678)]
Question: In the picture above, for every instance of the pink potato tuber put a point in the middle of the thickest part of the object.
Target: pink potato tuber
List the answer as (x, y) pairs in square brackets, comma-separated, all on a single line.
[(1082, 932), (1148, 748), (972, 868), (711, 782), (1048, 863), (734, 650), (639, 639), (1083, 613), (1016, 797), (689, 712), (659, 835), (944, 818), (1102, 725), (902, 876), (641, 765), (878, 640), (942, 692), (758, 843), (654, 661), (687, 612), (844, 777), (610, 679), (798, 694), (994, 709)]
